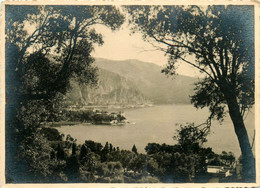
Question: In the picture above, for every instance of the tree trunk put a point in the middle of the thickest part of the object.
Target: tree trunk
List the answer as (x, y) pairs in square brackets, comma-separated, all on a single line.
[(248, 160)]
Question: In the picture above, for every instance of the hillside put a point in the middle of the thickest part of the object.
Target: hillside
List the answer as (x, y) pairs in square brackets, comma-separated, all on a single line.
[(149, 80), (112, 89)]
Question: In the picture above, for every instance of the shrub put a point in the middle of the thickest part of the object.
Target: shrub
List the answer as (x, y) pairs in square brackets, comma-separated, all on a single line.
[(149, 179), (51, 134)]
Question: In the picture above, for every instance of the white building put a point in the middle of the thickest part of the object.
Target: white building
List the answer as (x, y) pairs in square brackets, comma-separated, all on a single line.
[(218, 171)]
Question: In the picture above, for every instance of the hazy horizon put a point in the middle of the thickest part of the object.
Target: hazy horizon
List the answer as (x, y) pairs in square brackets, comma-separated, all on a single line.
[(124, 45)]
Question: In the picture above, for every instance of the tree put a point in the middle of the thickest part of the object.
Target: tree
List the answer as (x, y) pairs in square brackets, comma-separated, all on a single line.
[(106, 148), (152, 148), (219, 42), (138, 163), (51, 134), (126, 157), (94, 146), (110, 147), (134, 149), (152, 166), (184, 167), (227, 158), (104, 152), (57, 50), (72, 168), (41, 159), (74, 148), (191, 138), (83, 151), (60, 152), (47, 47)]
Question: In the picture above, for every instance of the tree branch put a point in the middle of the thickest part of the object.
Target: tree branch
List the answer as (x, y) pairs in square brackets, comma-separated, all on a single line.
[(188, 62), (30, 39), (201, 69)]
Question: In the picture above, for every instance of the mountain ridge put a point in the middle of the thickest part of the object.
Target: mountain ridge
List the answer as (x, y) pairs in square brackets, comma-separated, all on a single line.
[(132, 82), (150, 81), (112, 89)]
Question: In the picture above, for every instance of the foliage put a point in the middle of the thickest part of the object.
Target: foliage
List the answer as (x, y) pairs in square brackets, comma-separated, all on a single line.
[(134, 149), (227, 158), (148, 179), (124, 157), (36, 151), (63, 31), (219, 42), (180, 163), (90, 116), (47, 47), (152, 166), (41, 80), (185, 166), (138, 163), (191, 137), (51, 134), (213, 36), (93, 163), (93, 146), (152, 148), (165, 165)]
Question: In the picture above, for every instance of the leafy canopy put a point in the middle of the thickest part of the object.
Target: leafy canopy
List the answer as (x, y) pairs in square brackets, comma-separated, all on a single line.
[(52, 44), (217, 40), (46, 47)]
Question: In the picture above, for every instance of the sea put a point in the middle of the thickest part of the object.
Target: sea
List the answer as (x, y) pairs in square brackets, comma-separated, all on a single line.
[(159, 124)]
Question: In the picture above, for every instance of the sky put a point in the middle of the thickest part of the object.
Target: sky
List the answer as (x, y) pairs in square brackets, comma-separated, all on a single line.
[(122, 45)]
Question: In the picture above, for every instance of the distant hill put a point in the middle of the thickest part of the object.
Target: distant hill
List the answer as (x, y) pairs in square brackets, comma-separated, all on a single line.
[(148, 79), (112, 89), (132, 82)]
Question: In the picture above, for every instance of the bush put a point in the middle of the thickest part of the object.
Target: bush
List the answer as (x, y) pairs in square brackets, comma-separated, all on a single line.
[(152, 166), (38, 153), (149, 179), (51, 134), (102, 169), (117, 179), (103, 180)]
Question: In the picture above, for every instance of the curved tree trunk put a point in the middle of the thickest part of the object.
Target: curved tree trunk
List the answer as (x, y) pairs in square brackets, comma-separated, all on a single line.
[(248, 160)]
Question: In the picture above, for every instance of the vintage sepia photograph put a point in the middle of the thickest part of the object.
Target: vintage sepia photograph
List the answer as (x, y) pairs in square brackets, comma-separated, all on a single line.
[(129, 93)]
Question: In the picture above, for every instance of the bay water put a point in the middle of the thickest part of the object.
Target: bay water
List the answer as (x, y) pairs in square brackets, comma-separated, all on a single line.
[(158, 124)]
